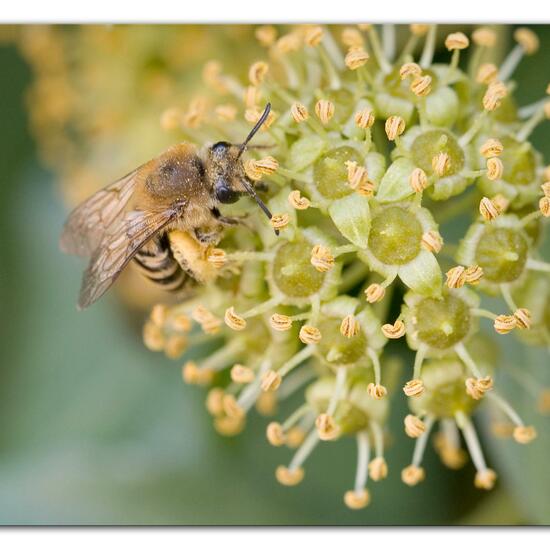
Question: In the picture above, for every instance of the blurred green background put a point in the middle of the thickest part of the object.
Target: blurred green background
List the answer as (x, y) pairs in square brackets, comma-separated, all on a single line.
[(95, 429)]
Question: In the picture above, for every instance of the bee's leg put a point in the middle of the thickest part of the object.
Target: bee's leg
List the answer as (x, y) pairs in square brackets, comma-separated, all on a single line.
[(207, 237), (226, 220)]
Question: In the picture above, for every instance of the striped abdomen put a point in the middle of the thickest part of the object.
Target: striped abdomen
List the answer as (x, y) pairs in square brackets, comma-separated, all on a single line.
[(156, 261)]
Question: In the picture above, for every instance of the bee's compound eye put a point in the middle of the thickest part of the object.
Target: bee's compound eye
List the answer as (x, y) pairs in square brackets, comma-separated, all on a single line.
[(225, 194), (220, 149)]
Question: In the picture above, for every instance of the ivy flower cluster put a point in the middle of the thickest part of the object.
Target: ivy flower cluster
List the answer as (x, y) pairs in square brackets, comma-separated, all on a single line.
[(367, 155)]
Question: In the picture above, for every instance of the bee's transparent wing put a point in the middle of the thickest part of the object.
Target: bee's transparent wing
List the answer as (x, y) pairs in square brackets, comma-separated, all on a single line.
[(118, 246), (88, 222)]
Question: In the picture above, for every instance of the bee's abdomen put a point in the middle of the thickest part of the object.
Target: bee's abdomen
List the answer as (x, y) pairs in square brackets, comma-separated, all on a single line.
[(156, 262)]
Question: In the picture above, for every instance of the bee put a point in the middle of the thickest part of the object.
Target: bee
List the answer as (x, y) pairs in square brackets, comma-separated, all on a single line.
[(162, 216)]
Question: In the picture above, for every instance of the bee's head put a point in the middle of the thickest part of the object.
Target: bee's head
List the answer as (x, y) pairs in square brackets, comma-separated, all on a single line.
[(226, 172)]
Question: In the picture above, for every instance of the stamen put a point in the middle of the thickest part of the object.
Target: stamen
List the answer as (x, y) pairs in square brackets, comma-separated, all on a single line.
[(231, 408), (153, 337), (544, 206), (397, 330), (258, 72), (413, 388), (322, 258), (377, 50), (523, 318), (488, 209), (491, 148), (429, 48), (536, 265), (275, 434), (214, 401), (495, 168), (350, 326), (388, 41), (421, 86), (536, 118), (170, 119), (352, 38), (410, 69), (477, 387), (288, 477), (299, 112), (485, 478), (456, 277), (414, 474), (365, 118), (355, 58), (379, 391), (496, 92), (441, 164), (473, 275), (207, 320), (217, 257), (504, 324), (378, 469), (394, 126), (357, 175), (280, 322), (266, 35), (303, 452), (487, 73), (468, 361), (359, 497), (447, 445), (234, 321), (279, 221), (324, 109), (313, 35), (241, 374), (525, 434), (414, 427), (432, 241), (298, 358), (327, 429), (271, 380), (484, 37), (297, 201)]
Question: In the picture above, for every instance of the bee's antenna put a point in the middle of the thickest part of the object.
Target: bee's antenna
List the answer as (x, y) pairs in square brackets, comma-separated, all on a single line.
[(252, 192), (257, 126)]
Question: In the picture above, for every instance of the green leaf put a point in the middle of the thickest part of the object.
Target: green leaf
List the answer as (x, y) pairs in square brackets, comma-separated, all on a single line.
[(395, 184), (351, 215)]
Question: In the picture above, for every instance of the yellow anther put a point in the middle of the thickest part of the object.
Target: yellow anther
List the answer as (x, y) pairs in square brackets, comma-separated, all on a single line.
[(394, 126), (327, 428), (364, 118), (289, 477), (495, 168), (412, 475), (258, 72), (504, 324), (456, 277), (297, 201), (488, 209), (374, 293), (322, 258), (491, 148), (271, 380), (280, 322), (397, 330), (409, 69), (476, 388), (456, 41), (217, 257), (419, 29), (357, 500), (524, 434), (226, 112), (421, 86), (357, 174), (414, 427), (485, 479), (356, 57), (299, 112), (484, 37), (275, 434), (279, 221), (324, 109), (171, 118), (352, 38), (266, 35), (523, 318), (441, 164), (241, 374), (527, 39), (214, 401), (377, 391), (496, 92), (313, 35), (432, 241), (413, 388), (350, 326), (309, 334), (487, 73), (234, 321), (153, 337), (378, 469)]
